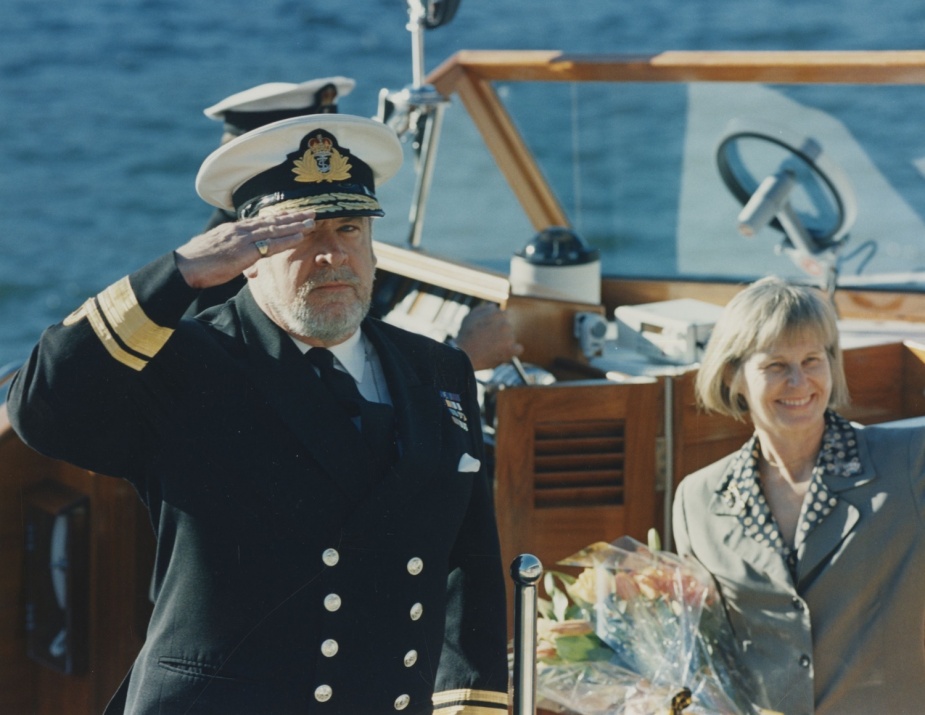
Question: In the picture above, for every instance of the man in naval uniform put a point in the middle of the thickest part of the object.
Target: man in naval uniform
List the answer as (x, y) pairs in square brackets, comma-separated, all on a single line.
[(317, 552), (485, 334)]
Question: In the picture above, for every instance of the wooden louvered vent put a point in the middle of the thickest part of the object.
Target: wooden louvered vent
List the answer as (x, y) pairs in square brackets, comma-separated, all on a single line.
[(579, 463), (575, 464)]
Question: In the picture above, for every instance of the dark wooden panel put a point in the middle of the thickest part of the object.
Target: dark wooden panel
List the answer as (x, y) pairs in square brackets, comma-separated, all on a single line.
[(913, 380), (120, 558)]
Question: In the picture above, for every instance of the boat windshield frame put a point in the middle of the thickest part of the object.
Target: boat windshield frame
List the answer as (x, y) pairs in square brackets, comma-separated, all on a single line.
[(473, 77)]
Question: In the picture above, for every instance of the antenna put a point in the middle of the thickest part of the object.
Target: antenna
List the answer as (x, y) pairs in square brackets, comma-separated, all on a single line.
[(416, 111)]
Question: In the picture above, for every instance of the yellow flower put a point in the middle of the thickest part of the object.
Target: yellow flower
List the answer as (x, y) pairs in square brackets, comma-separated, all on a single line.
[(584, 589)]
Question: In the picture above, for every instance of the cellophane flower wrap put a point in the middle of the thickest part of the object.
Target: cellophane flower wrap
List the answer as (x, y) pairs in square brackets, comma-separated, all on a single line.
[(639, 631)]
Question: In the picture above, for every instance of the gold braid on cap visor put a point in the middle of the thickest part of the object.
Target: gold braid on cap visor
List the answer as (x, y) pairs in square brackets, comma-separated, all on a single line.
[(344, 203)]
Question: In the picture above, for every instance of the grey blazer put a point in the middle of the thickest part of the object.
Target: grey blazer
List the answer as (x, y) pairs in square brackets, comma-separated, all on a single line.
[(849, 636)]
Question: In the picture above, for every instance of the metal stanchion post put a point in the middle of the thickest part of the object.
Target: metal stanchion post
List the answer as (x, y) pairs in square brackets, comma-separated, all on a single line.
[(526, 570)]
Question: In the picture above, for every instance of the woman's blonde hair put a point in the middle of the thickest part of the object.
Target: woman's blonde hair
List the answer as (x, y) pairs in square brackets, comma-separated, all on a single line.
[(765, 312)]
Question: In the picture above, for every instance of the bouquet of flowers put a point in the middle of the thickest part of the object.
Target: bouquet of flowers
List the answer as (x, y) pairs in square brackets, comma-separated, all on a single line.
[(639, 631)]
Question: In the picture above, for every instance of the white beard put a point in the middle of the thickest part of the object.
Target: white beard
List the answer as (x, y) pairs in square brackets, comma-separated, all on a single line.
[(329, 323)]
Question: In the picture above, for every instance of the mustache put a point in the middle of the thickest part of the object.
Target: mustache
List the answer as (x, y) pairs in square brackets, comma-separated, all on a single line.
[(333, 275)]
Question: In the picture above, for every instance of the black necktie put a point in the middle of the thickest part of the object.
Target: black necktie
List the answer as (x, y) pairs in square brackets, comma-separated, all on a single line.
[(377, 422), (339, 382)]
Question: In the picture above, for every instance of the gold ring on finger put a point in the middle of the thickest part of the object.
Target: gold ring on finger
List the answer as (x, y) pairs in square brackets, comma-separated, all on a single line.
[(262, 247)]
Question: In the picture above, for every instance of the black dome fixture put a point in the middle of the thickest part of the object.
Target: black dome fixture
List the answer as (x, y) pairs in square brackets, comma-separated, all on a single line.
[(558, 246)]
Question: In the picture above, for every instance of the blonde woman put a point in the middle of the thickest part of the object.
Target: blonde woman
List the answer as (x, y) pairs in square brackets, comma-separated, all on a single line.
[(815, 529)]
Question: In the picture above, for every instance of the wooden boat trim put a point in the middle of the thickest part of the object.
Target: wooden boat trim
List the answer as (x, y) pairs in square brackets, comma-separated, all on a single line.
[(511, 154), (784, 67), (419, 266)]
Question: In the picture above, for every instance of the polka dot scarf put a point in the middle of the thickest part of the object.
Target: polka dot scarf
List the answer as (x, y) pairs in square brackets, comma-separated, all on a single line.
[(838, 456)]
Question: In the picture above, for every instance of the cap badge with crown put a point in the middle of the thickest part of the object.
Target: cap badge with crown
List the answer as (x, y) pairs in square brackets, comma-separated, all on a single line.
[(321, 161)]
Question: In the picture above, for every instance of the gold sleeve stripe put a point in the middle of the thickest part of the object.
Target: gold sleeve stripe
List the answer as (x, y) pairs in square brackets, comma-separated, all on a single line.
[(109, 342), (138, 332), (465, 701), (487, 696), (77, 315)]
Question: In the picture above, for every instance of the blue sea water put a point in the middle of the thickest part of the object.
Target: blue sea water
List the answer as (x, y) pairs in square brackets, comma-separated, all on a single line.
[(102, 126)]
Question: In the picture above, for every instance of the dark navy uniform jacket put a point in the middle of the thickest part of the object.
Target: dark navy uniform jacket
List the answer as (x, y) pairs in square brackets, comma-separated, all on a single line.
[(295, 573)]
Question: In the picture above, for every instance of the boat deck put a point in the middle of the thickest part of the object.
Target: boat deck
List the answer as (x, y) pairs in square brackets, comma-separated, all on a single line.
[(593, 457)]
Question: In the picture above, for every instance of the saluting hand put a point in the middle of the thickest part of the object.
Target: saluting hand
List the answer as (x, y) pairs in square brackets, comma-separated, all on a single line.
[(224, 252)]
